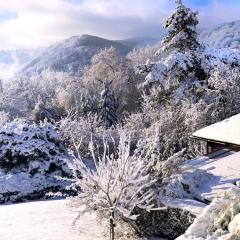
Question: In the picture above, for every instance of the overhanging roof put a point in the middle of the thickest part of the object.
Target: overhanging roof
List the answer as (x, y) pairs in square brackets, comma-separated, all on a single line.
[(227, 131)]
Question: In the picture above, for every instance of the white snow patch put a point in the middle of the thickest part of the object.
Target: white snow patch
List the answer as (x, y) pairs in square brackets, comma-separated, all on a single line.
[(225, 168), (234, 225), (193, 206), (46, 220), (49, 220)]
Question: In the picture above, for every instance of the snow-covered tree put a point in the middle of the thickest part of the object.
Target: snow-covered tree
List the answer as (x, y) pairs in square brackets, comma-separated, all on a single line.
[(120, 182), (224, 89), (108, 106), (140, 55), (177, 69), (107, 64), (184, 66), (20, 95), (181, 27)]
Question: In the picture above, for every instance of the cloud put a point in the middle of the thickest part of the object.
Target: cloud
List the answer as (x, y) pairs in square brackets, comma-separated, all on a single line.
[(42, 22), (219, 11)]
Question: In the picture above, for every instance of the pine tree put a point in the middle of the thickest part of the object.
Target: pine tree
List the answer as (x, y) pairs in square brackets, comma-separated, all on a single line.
[(109, 106), (181, 27)]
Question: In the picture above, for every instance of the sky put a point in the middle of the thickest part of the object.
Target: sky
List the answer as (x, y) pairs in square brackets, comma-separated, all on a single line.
[(36, 23)]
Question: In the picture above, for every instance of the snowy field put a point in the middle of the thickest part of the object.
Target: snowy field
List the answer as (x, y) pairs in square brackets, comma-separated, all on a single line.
[(53, 220), (46, 220)]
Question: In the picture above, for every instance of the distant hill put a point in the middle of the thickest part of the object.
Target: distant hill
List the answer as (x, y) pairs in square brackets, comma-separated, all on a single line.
[(226, 35), (72, 54)]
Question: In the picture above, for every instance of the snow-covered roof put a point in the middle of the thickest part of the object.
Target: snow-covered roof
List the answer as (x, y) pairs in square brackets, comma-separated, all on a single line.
[(227, 131)]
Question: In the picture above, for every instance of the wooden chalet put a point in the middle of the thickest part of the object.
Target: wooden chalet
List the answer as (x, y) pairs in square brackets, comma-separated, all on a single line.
[(221, 135)]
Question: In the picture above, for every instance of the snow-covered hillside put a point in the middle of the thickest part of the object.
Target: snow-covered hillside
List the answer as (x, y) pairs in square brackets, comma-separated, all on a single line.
[(226, 35), (70, 55), (73, 54)]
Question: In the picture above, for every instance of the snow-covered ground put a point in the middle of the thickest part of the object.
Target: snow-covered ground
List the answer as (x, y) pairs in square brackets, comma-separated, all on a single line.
[(46, 220), (53, 220), (208, 177), (224, 166)]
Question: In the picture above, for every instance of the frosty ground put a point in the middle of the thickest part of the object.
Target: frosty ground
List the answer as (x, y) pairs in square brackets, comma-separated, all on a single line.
[(54, 219), (47, 220), (223, 169)]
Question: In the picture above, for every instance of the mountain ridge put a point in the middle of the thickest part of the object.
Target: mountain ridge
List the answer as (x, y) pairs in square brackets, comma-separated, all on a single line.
[(73, 54)]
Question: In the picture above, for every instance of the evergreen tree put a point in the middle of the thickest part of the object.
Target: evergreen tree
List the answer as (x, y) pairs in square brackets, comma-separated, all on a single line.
[(109, 106), (181, 27)]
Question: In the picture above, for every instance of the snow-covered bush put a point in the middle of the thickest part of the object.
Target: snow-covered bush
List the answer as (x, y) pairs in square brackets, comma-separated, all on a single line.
[(32, 158), (185, 184), (41, 113), (119, 183), (219, 221), (167, 223)]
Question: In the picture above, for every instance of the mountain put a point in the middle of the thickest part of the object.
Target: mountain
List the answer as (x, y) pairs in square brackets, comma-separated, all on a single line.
[(72, 54), (226, 35)]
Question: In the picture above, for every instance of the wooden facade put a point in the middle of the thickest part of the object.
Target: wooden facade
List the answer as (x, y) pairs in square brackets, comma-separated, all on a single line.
[(214, 146)]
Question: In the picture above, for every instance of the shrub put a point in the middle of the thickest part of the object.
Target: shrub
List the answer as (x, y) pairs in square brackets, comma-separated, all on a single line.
[(32, 161)]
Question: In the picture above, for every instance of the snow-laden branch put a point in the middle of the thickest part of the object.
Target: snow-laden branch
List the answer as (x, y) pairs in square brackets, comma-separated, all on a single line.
[(120, 182)]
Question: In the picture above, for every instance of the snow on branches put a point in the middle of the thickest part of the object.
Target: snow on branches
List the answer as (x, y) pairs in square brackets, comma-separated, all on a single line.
[(109, 106), (181, 27), (119, 182), (182, 62)]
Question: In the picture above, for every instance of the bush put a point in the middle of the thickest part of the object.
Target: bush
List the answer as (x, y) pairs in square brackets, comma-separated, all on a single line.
[(22, 144), (32, 161)]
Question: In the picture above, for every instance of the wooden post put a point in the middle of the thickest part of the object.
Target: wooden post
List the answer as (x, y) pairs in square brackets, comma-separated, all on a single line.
[(209, 148)]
